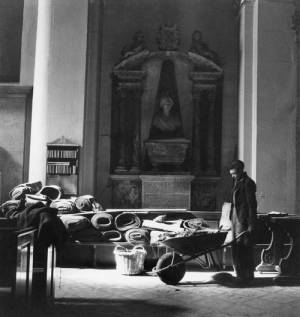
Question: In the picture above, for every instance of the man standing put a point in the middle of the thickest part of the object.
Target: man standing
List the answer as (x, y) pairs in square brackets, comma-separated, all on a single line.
[(243, 218)]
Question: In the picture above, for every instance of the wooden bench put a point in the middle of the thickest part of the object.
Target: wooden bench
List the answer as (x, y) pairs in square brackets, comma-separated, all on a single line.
[(26, 267), (16, 264)]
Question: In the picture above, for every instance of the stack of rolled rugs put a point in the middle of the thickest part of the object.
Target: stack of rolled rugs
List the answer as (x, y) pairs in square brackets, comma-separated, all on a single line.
[(103, 226), (126, 227)]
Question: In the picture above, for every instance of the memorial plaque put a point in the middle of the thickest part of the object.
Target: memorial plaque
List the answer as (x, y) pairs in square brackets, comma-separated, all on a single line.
[(166, 191)]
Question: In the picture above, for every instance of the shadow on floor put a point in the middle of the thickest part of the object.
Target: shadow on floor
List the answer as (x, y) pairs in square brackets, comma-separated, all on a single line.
[(81, 307), (227, 280)]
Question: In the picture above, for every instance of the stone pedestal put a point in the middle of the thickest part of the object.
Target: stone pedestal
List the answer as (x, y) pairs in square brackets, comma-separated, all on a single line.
[(166, 191), (126, 191)]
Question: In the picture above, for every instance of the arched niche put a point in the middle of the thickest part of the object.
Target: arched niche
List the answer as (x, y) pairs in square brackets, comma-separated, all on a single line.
[(135, 86)]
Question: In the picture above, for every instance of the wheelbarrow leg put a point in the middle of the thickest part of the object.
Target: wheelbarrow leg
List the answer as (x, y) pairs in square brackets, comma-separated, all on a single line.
[(213, 264)]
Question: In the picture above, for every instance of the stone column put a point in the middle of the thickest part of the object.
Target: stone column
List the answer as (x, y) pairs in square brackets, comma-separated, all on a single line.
[(196, 133), (246, 78), (271, 123), (297, 29), (122, 105), (90, 153), (37, 158), (136, 153), (211, 133)]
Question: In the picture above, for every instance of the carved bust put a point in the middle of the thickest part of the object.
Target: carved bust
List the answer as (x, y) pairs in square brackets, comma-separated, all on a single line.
[(166, 123)]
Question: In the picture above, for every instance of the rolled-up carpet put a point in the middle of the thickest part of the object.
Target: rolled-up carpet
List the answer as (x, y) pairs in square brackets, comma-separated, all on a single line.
[(126, 221), (196, 223), (112, 235), (75, 223), (157, 236), (64, 206), (19, 191), (53, 192), (11, 207), (87, 235), (137, 236), (36, 198), (87, 203), (102, 221)]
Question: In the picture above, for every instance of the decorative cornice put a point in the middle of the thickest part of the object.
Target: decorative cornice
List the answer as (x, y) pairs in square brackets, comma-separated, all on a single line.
[(129, 86), (130, 75), (8, 90), (204, 77)]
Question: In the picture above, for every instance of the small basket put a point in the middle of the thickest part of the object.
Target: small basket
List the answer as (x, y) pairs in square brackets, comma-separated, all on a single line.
[(130, 262)]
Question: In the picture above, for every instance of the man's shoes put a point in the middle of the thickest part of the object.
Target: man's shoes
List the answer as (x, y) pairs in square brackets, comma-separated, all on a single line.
[(244, 282)]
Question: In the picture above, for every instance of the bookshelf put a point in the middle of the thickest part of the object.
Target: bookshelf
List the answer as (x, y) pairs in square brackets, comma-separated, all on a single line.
[(63, 165)]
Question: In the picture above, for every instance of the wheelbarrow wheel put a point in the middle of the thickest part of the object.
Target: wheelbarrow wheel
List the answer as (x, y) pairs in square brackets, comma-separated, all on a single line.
[(174, 274)]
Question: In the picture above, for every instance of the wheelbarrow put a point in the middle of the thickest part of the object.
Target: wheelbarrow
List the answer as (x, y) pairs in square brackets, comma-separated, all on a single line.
[(170, 267)]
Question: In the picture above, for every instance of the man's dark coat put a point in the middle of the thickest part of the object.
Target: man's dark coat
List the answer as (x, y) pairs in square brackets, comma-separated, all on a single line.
[(244, 201)]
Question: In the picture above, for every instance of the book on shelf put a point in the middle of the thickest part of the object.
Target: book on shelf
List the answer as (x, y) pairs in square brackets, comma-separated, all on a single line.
[(62, 165), (62, 153), (58, 163), (61, 169)]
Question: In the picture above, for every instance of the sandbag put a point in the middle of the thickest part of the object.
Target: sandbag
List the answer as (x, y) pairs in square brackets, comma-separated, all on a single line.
[(126, 221), (102, 221)]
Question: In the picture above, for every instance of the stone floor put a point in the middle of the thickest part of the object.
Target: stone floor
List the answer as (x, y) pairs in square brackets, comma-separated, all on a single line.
[(106, 293)]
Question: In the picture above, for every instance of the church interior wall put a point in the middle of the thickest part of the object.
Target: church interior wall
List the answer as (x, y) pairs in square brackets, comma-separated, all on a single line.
[(218, 22), (219, 25)]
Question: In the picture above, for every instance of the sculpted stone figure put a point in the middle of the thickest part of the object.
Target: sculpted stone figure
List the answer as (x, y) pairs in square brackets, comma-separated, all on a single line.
[(137, 45), (201, 48), (166, 123)]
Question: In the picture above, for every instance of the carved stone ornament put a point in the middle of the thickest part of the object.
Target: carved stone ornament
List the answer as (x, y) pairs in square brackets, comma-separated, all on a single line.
[(199, 47), (136, 46), (168, 38)]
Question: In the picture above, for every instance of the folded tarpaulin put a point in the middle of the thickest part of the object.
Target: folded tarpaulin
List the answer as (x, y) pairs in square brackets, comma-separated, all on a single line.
[(137, 236), (102, 221), (126, 221)]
